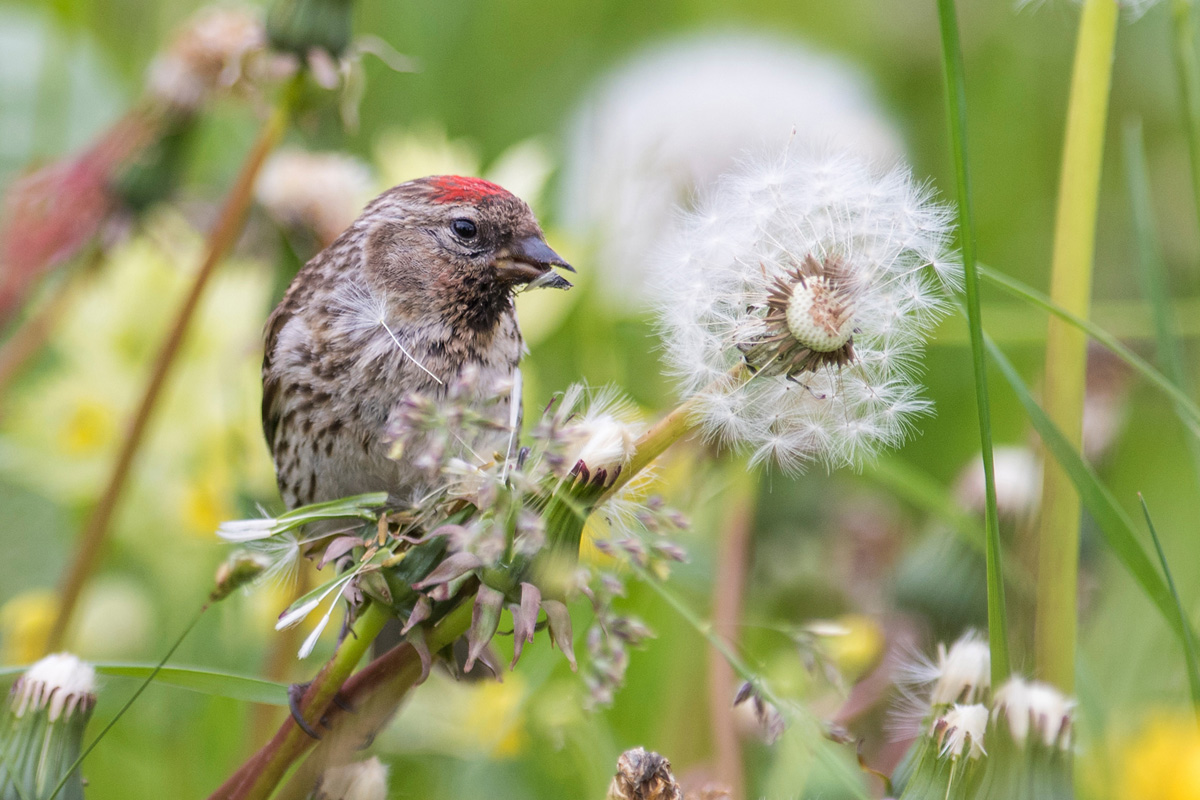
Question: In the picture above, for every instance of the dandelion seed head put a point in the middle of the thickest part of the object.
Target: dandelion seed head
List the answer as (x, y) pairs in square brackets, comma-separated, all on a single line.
[(824, 276)]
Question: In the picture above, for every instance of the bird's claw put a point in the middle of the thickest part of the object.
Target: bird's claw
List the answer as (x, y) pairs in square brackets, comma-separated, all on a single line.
[(296, 695)]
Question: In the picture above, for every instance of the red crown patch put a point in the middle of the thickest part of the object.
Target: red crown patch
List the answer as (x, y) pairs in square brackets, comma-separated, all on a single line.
[(457, 189)]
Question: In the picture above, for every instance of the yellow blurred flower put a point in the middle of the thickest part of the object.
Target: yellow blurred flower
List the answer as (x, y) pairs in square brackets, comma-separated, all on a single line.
[(464, 719), (25, 622), (1163, 763), (88, 428), (854, 642), (496, 717)]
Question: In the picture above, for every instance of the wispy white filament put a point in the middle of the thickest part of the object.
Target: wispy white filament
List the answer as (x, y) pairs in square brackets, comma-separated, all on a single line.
[(762, 220)]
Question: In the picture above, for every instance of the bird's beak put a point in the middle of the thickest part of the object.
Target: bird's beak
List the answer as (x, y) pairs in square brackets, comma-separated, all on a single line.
[(529, 261)]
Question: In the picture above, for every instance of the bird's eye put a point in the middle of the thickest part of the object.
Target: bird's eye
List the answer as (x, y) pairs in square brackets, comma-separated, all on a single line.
[(464, 229)]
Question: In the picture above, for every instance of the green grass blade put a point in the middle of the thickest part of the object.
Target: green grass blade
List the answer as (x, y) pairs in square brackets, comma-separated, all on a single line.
[(1189, 644), (1189, 412), (1115, 524), (212, 682), (956, 112), (1184, 42), (1153, 270)]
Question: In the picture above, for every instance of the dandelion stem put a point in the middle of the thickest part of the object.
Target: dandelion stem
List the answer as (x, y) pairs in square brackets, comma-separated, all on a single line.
[(375, 693), (222, 237), (1066, 347), (729, 585), (654, 442), (957, 113)]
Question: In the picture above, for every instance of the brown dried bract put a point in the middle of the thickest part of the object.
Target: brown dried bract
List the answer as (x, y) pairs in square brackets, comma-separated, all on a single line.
[(643, 775), (778, 350)]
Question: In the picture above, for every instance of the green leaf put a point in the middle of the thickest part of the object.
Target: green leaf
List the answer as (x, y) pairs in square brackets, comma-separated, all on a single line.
[(1115, 524), (206, 681), (956, 111), (215, 683)]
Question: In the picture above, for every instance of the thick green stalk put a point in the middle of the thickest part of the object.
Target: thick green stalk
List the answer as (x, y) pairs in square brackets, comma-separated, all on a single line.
[(1066, 346), (263, 773), (956, 101)]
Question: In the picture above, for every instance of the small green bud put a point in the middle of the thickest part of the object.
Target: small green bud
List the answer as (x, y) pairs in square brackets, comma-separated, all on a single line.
[(300, 26)]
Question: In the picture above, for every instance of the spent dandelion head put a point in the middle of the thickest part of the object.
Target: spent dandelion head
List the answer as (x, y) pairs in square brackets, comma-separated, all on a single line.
[(961, 729), (795, 302), (321, 192), (42, 728), (208, 54), (1035, 710)]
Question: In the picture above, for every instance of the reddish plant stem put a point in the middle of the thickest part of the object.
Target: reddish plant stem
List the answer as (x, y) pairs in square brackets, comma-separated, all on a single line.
[(729, 585), (374, 693), (221, 239)]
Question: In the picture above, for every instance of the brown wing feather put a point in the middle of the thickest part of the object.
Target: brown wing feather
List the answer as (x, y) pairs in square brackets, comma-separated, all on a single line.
[(271, 379)]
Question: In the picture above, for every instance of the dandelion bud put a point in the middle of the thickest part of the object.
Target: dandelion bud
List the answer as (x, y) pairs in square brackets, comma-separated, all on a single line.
[(796, 301), (1030, 740), (364, 780), (599, 445), (42, 734), (1035, 710), (643, 776), (239, 570), (947, 761), (301, 26)]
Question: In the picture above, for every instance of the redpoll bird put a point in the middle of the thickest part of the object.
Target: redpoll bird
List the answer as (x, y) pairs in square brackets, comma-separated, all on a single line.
[(414, 297)]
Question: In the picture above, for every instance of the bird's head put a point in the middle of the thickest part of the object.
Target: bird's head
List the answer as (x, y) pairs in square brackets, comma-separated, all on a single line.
[(448, 232)]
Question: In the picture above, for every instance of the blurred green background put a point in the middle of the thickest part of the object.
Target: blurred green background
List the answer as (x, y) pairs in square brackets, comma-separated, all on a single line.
[(492, 75)]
